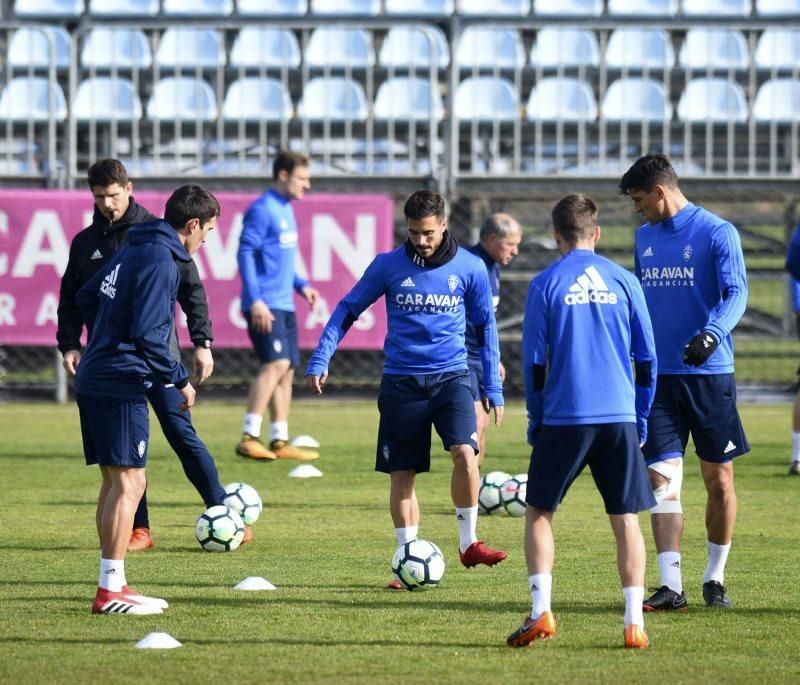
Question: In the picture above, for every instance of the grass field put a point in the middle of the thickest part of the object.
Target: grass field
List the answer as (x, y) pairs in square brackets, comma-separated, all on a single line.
[(326, 544)]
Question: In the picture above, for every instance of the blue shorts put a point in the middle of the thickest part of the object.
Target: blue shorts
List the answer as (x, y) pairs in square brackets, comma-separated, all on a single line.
[(611, 450), (115, 431), (410, 405), (703, 405), (280, 343), (476, 380)]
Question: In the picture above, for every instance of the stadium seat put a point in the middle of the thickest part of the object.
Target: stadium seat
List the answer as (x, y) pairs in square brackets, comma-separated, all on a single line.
[(643, 8), (29, 47), (105, 99), (182, 98), (340, 47), (490, 48), (562, 99), (717, 49), (637, 49), (106, 48), (419, 8), (346, 7), (716, 8), (778, 49), (712, 99), (498, 8), (262, 46), (334, 99), (407, 46), (405, 98), (130, 8), (207, 49), (38, 9), (565, 48), (635, 100), (257, 99), (777, 8), (486, 98), (197, 8), (778, 100), (568, 8), (28, 99), (272, 8)]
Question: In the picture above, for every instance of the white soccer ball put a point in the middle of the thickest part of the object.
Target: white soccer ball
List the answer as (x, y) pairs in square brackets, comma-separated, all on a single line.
[(245, 500), (512, 494), (418, 565), (489, 492), (219, 529)]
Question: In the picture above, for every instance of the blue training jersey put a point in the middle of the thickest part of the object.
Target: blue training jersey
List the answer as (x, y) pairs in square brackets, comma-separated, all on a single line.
[(793, 254), (493, 270), (692, 271), (585, 319), (794, 293), (426, 311), (267, 252)]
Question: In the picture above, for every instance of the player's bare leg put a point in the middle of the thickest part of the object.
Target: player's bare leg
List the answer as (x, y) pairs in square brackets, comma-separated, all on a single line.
[(794, 464), (404, 508), (631, 565), (482, 419), (280, 404), (105, 488), (261, 390), (720, 520)]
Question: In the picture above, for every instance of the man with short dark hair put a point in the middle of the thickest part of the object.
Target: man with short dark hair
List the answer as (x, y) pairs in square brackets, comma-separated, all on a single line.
[(430, 285), (130, 307), (115, 212), (691, 267), (266, 256)]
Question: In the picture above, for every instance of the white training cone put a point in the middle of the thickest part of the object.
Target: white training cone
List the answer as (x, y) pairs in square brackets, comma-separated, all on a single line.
[(254, 583), (305, 441), (158, 641), (305, 471)]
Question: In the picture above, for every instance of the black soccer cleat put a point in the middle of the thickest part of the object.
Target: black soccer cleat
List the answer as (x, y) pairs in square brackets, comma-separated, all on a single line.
[(715, 595), (794, 469), (666, 599)]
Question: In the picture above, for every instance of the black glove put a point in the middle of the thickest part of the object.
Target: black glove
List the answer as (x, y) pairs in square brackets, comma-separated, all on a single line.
[(697, 351)]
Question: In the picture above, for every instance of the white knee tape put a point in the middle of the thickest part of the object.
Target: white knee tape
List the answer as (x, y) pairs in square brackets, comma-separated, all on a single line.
[(668, 495)]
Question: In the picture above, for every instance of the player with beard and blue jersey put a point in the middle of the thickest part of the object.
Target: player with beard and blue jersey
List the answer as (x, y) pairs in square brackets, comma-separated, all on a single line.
[(691, 267), (430, 286)]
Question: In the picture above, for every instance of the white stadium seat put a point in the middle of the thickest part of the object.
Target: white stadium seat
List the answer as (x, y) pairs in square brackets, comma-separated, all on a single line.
[(490, 48), (106, 48), (407, 46), (497, 8), (340, 47), (346, 7), (403, 98), (333, 99), (635, 49), (777, 8), (197, 8), (571, 8), (486, 98), (419, 8), (712, 99), (778, 49), (207, 50), (778, 100), (717, 8), (636, 100), (257, 99), (30, 47), (29, 99), (272, 8), (562, 99), (264, 46), (565, 48), (182, 98), (37, 9), (643, 8), (106, 99), (714, 48), (129, 8)]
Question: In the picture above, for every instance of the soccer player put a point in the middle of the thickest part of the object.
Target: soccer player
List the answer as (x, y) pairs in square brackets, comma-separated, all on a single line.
[(500, 237), (430, 286), (692, 271), (266, 256), (585, 318), (115, 212), (132, 304)]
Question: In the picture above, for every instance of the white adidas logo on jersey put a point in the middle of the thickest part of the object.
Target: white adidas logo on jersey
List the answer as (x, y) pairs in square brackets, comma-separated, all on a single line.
[(108, 285), (648, 252), (590, 287), (408, 283)]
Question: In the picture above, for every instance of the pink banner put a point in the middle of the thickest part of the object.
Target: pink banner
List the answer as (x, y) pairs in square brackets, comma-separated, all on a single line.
[(339, 237)]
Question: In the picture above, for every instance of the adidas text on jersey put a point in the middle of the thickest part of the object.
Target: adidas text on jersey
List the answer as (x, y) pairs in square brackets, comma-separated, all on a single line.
[(108, 285), (590, 287)]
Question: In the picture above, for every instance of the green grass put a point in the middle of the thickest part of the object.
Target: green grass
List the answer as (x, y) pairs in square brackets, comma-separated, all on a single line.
[(326, 544)]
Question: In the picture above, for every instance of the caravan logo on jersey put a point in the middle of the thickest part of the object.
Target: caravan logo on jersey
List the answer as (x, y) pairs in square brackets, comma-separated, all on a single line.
[(590, 287), (108, 286)]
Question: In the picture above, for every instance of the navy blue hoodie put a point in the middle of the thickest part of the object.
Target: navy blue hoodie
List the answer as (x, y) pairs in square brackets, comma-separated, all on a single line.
[(132, 304)]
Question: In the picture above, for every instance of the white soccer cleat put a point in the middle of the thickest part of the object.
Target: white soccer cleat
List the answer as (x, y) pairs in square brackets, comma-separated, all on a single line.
[(135, 596)]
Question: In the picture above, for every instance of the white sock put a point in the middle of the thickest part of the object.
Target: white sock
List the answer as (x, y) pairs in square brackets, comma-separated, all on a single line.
[(112, 574), (717, 558), (467, 518), (634, 596), (405, 535), (795, 446), (669, 564), (541, 585), (279, 430), (252, 424)]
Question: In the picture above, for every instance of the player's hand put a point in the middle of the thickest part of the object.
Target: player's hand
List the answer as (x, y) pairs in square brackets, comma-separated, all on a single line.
[(188, 397), (697, 351), (316, 383), (487, 407), (498, 415), (311, 295), (71, 360), (502, 371), (202, 364), (261, 317)]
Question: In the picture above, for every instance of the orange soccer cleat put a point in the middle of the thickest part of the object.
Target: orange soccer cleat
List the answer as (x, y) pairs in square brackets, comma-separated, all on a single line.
[(285, 450), (248, 535), (141, 540), (543, 628), (636, 637), (253, 448)]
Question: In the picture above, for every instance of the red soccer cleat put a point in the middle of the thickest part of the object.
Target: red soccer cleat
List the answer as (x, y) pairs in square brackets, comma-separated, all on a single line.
[(636, 637), (107, 602), (248, 535), (479, 553), (543, 628), (395, 585), (141, 539)]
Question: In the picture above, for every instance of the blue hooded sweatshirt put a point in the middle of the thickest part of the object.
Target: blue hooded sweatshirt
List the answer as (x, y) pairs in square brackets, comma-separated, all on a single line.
[(132, 304)]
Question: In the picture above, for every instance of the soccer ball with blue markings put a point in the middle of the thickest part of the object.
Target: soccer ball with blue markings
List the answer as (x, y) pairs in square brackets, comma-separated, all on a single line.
[(244, 500), (219, 529), (489, 501), (512, 494), (418, 565)]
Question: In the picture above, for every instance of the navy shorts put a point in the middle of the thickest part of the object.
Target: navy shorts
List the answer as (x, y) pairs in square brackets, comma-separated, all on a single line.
[(115, 431), (611, 450), (476, 380), (410, 405), (280, 343), (703, 405)]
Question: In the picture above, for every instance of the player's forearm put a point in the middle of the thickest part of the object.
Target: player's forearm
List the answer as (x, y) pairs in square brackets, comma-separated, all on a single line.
[(728, 312)]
